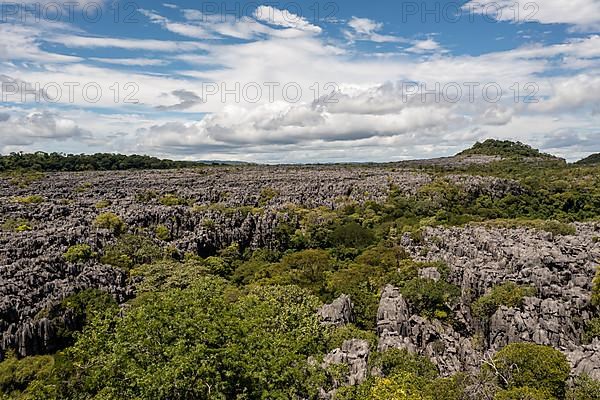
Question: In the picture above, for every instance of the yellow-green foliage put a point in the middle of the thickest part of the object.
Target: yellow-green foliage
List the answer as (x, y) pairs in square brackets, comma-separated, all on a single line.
[(403, 386), (172, 200), (33, 199), (102, 204), (17, 225), (528, 365), (24, 179), (592, 330), (84, 187), (523, 393), (584, 388), (508, 294), (79, 252), (163, 233), (17, 375), (110, 221), (130, 251), (266, 195)]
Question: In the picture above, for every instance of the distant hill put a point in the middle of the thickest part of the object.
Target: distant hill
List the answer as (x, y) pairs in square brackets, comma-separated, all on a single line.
[(594, 159), (505, 149)]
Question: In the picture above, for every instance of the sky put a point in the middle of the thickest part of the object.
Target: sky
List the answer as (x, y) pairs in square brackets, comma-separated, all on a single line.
[(298, 81)]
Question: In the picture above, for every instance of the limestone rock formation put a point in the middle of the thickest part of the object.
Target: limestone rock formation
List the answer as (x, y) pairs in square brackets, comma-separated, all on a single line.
[(338, 313)]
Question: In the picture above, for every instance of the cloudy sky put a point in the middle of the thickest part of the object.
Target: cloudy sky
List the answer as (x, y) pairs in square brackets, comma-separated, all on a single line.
[(300, 81)]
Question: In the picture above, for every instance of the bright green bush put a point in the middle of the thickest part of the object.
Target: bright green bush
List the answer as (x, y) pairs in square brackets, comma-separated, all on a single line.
[(508, 294), (163, 233), (402, 386), (266, 195), (79, 252), (520, 365), (111, 222), (17, 374), (17, 225), (306, 269)]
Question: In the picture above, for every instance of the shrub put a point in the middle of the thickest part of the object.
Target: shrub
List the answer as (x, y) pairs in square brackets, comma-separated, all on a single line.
[(430, 298), (596, 289), (102, 204), (16, 375), (17, 225), (523, 393), (508, 294), (592, 330), (352, 235), (557, 228), (340, 334), (163, 233), (146, 197), (403, 386), (306, 269), (33, 199), (584, 388), (172, 200), (130, 251), (395, 361), (111, 222), (521, 365), (79, 252), (266, 195)]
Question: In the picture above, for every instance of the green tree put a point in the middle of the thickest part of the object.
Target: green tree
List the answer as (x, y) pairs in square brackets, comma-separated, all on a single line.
[(521, 365), (524, 393), (79, 252), (110, 221), (508, 294), (199, 342)]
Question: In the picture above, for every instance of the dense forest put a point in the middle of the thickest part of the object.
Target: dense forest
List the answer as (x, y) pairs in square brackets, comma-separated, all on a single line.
[(242, 321), (46, 162)]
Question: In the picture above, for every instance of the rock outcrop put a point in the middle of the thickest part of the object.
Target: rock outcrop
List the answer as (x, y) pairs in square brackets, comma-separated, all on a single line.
[(338, 313)]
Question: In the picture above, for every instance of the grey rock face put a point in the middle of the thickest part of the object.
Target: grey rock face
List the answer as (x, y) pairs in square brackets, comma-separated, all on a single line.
[(338, 313), (586, 360), (399, 329), (355, 355), (561, 268)]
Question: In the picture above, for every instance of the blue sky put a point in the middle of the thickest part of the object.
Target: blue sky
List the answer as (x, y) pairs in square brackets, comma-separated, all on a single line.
[(300, 81)]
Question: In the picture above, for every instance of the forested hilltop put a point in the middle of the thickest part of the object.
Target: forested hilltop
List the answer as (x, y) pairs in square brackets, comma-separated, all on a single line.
[(464, 278)]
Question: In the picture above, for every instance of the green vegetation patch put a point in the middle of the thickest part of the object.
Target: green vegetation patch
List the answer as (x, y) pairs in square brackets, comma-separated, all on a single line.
[(110, 221), (508, 294), (32, 199), (79, 253)]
